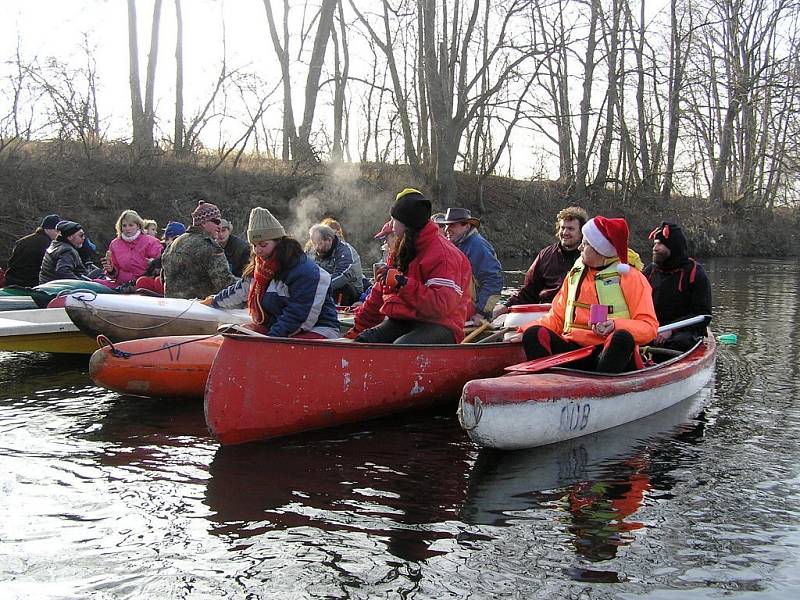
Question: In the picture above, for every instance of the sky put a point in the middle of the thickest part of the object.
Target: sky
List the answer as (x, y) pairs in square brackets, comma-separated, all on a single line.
[(55, 28)]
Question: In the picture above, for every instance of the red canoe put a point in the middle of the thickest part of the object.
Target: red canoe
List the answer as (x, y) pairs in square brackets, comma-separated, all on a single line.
[(172, 366), (261, 388)]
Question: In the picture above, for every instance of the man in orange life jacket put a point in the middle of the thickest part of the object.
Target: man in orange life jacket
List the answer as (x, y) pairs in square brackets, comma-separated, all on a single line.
[(681, 288), (600, 281)]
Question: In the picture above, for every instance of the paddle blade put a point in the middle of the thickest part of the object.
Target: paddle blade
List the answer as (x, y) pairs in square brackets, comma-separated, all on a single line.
[(547, 362)]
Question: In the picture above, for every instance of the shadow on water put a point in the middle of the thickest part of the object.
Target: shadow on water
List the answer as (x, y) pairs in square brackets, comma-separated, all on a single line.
[(598, 482), (388, 479)]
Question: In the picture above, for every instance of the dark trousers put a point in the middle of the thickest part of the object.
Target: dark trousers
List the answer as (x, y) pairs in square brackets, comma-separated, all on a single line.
[(681, 340), (615, 356), (395, 331)]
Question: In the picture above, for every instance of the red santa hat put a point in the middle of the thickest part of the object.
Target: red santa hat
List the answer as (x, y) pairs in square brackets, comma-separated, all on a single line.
[(609, 237)]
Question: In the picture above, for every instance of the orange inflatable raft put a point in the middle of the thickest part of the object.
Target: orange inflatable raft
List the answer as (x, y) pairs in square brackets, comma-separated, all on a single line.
[(171, 366)]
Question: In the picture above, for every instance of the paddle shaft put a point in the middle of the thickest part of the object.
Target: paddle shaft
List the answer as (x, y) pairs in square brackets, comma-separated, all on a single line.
[(683, 323), (475, 333)]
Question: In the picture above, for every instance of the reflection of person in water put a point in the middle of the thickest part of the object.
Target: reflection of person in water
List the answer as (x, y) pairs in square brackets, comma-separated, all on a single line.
[(599, 509)]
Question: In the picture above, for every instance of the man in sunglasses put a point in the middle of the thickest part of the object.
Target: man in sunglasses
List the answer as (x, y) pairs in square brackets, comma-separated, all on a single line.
[(194, 265), (681, 288)]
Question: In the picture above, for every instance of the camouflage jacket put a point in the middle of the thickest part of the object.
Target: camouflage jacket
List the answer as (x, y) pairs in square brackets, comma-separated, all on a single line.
[(194, 266)]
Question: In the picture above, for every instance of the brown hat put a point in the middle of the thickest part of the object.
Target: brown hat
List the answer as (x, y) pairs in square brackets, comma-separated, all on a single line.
[(205, 212), (459, 215), (263, 226)]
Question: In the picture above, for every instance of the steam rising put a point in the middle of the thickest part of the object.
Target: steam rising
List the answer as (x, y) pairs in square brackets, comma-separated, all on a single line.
[(350, 200)]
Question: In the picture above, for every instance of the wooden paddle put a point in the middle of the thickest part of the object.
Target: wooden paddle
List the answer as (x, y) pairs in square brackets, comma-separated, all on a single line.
[(476, 332), (546, 362)]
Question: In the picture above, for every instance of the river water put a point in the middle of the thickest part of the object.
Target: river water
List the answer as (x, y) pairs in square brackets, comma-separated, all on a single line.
[(108, 496)]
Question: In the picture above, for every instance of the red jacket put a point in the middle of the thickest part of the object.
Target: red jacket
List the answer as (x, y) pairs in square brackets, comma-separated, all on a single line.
[(437, 290)]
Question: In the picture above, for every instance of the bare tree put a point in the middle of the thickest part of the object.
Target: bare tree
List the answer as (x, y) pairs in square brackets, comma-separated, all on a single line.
[(453, 98), (178, 147), (385, 42), (341, 71), (297, 141), (142, 115), (582, 157)]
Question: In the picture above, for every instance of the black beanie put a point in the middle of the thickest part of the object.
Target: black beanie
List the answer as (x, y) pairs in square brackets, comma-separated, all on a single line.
[(412, 209), (671, 235), (67, 228)]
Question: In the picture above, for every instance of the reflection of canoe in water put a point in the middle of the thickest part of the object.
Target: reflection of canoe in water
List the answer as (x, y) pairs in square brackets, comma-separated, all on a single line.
[(42, 330), (502, 482), (175, 366), (263, 387), (130, 317), (525, 411), (353, 479)]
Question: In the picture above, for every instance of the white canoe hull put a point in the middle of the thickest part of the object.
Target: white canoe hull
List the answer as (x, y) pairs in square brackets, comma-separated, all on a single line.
[(525, 411), (130, 317)]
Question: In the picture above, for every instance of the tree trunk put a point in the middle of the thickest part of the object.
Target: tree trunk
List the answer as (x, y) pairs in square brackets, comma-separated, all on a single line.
[(340, 83), (137, 112), (179, 148), (582, 169), (152, 60), (611, 96), (282, 52), (304, 150), (643, 124), (676, 68)]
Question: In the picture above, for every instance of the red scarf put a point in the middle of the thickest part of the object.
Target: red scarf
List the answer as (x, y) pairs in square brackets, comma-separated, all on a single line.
[(263, 274)]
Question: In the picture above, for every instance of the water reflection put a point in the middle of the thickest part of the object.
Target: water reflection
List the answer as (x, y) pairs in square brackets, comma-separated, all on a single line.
[(129, 497), (390, 480), (597, 483)]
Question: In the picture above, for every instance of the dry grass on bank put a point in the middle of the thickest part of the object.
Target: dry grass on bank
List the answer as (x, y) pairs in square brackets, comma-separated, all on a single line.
[(93, 188)]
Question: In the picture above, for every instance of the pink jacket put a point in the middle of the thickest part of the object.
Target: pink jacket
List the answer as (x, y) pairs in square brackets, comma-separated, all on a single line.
[(131, 258)]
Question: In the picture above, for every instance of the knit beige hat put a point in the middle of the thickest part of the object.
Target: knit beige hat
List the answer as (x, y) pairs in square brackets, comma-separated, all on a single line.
[(263, 226)]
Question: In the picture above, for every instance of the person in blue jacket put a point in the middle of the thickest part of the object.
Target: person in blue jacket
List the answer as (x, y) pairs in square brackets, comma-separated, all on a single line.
[(487, 274), (287, 294)]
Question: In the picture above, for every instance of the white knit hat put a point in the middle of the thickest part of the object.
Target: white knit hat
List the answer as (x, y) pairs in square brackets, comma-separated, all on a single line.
[(263, 226)]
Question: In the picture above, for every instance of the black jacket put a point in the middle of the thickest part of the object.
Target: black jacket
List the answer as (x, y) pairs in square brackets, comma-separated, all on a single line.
[(62, 261), (680, 292), (237, 253), (26, 259)]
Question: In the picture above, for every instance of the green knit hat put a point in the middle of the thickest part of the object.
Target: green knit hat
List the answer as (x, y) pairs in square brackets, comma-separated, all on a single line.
[(263, 226)]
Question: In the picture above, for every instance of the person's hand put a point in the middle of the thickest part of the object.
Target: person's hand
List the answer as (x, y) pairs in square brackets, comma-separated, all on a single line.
[(351, 334), (517, 337), (208, 300), (392, 278), (662, 338), (499, 309), (604, 328), (478, 319)]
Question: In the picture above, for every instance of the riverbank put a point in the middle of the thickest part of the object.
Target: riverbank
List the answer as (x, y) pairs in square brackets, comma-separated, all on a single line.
[(93, 188)]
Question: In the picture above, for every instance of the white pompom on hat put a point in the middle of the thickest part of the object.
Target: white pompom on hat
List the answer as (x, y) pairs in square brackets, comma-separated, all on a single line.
[(263, 226), (610, 238)]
